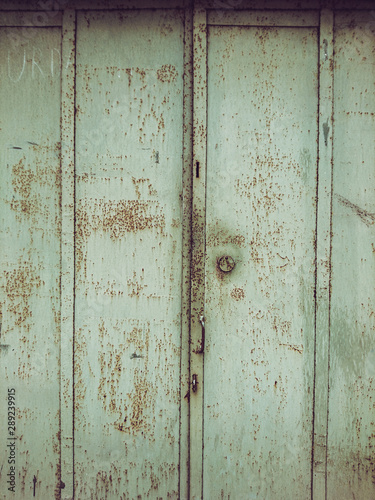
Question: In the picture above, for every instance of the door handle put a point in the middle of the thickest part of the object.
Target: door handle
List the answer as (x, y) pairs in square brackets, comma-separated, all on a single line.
[(200, 349)]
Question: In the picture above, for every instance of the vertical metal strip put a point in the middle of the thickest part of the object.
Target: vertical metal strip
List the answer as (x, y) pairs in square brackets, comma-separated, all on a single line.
[(186, 256), (198, 248), (67, 251), (323, 255)]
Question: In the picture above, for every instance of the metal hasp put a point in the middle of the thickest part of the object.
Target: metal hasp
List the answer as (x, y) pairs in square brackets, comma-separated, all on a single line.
[(226, 263)]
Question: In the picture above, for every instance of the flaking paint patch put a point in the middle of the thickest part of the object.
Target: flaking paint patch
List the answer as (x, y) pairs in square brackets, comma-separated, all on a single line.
[(19, 284), (115, 218), (80, 384), (266, 193), (129, 411), (221, 237), (28, 177), (237, 293), (167, 73)]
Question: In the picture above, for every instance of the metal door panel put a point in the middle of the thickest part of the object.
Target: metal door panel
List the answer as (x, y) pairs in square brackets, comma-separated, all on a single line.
[(351, 431), (261, 210), (30, 225), (129, 99)]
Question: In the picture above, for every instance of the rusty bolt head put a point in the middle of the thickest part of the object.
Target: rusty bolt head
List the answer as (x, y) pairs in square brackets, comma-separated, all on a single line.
[(226, 263)]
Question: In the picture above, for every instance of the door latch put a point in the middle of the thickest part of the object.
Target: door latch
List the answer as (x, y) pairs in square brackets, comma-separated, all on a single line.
[(194, 383)]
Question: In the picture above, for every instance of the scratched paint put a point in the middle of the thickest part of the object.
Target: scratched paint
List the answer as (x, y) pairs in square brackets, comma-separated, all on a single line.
[(30, 227), (128, 254), (351, 428), (261, 190)]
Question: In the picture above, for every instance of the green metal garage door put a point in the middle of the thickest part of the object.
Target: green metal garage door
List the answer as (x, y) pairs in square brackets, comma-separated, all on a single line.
[(187, 250)]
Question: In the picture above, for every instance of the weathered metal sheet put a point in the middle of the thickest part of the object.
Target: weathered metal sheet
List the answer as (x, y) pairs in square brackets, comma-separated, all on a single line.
[(129, 160), (187, 181), (56, 5), (116, 232), (213, 5), (30, 225), (261, 211), (323, 254), (351, 431), (352, 5), (31, 19), (67, 249), (263, 18), (258, 4), (198, 250)]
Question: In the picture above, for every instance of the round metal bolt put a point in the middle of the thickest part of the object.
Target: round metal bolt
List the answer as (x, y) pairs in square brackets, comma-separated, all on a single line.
[(226, 263)]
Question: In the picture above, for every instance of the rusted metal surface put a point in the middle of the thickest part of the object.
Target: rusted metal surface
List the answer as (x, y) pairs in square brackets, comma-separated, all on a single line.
[(67, 249), (224, 17), (323, 254), (213, 5), (261, 211), (351, 428), (56, 5), (129, 150), (198, 227), (31, 19), (30, 225), (187, 180), (222, 324)]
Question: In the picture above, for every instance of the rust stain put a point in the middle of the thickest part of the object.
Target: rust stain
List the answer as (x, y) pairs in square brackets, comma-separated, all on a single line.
[(140, 185), (129, 411), (269, 193), (27, 181), (116, 219), (366, 217), (19, 284), (237, 294), (167, 73), (135, 288), (297, 348), (80, 383), (220, 237), (23, 179)]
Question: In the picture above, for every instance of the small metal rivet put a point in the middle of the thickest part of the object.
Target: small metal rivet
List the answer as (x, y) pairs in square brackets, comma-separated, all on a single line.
[(226, 263)]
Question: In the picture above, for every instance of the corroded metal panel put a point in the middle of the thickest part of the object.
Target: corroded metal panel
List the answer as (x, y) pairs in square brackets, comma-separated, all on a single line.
[(258, 4), (351, 430), (56, 5), (31, 19), (187, 181), (323, 254), (104, 248), (261, 212), (198, 250), (30, 224), (263, 18), (67, 249), (129, 160)]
